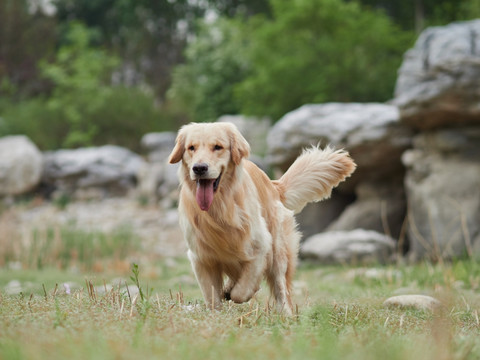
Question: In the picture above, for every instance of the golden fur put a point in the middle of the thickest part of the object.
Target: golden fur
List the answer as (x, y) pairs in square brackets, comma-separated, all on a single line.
[(248, 231)]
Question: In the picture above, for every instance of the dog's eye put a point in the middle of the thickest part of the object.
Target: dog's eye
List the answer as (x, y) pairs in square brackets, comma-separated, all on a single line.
[(191, 148), (218, 147)]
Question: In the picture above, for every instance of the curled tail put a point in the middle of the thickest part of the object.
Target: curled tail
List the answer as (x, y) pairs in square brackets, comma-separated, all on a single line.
[(313, 175)]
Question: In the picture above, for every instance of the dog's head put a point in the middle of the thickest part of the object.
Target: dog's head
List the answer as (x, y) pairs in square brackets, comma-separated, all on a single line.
[(207, 151)]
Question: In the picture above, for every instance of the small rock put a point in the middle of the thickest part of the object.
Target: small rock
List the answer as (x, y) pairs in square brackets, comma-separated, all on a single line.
[(419, 302), (14, 287), (373, 274), (348, 247)]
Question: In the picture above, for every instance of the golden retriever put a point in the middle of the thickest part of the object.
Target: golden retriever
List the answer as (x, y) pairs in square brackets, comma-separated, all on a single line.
[(236, 221)]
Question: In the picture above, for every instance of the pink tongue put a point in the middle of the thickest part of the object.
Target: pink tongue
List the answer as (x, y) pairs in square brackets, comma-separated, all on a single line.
[(205, 193)]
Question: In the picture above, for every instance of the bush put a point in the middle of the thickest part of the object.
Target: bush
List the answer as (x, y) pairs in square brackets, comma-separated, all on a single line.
[(83, 108), (308, 51), (215, 62), (319, 51), (125, 115)]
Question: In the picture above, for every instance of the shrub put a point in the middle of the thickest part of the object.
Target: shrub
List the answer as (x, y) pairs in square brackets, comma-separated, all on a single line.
[(319, 51), (83, 108), (215, 62), (307, 51)]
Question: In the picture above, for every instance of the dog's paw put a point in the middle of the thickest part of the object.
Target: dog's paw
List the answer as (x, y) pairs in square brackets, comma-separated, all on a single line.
[(240, 295)]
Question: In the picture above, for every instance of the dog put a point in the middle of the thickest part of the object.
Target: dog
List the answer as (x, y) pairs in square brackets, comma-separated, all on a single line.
[(238, 223)]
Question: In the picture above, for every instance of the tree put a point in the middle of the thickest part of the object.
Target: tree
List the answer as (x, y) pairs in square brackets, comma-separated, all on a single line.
[(83, 108), (148, 35), (80, 75), (319, 51), (215, 62), (307, 51), (417, 14), (25, 38)]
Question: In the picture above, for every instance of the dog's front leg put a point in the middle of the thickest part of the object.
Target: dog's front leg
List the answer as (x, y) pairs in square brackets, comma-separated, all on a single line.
[(249, 282), (211, 281)]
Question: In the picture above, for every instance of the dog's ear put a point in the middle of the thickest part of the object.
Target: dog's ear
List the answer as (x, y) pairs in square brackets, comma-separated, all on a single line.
[(177, 153), (239, 147)]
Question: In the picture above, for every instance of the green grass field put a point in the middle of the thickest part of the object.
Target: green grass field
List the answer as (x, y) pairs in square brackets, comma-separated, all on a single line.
[(340, 316), (340, 312)]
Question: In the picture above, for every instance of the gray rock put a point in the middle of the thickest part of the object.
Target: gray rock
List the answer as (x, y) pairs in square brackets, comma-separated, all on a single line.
[(112, 170), (348, 247), (158, 145), (372, 133), (14, 287), (157, 179), (254, 130), (439, 80), (20, 165), (379, 206), (443, 192), (316, 217), (419, 302)]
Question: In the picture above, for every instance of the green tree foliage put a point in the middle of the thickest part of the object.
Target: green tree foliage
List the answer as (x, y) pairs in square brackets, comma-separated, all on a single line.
[(215, 62), (148, 35), (81, 84), (25, 38), (319, 51), (418, 14), (261, 57), (308, 51), (83, 108)]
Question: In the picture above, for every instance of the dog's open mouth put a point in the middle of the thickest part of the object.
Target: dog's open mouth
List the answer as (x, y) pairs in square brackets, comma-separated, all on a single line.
[(205, 190)]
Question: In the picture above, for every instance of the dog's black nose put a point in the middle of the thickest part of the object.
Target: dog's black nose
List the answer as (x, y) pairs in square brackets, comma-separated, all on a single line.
[(200, 168)]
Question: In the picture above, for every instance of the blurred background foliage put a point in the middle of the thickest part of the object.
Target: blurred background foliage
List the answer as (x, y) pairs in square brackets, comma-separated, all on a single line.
[(78, 73)]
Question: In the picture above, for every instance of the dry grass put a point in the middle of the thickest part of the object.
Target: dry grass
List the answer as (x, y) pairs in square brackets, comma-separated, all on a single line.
[(52, 245), (340, 309), (340, 316)]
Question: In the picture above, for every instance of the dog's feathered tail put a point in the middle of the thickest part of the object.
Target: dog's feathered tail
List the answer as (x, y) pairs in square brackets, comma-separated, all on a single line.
[(313, 175)]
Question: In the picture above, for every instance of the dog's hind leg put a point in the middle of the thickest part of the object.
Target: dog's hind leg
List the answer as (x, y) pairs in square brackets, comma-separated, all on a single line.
[(280, 274), (279, 287)]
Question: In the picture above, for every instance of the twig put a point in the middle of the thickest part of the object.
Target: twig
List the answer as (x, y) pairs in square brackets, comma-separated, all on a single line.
[(128, 292), (436, 249), (44, 291), (213, 298), (133, 304), (401, 237), (384, 218), (416, 232)]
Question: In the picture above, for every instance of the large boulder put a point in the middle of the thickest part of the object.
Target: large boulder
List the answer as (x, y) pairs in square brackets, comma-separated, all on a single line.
[(158, 145), (439, 80), (157, 179), (371, 132), (92, 172), (316, 217), (378, 206), (20, 165), (349, 247), (254, 129), (443, 192)]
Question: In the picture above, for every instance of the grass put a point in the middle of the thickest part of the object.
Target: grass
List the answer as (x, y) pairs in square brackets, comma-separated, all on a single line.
[(117, 310), (340, 316), (66, 247)]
